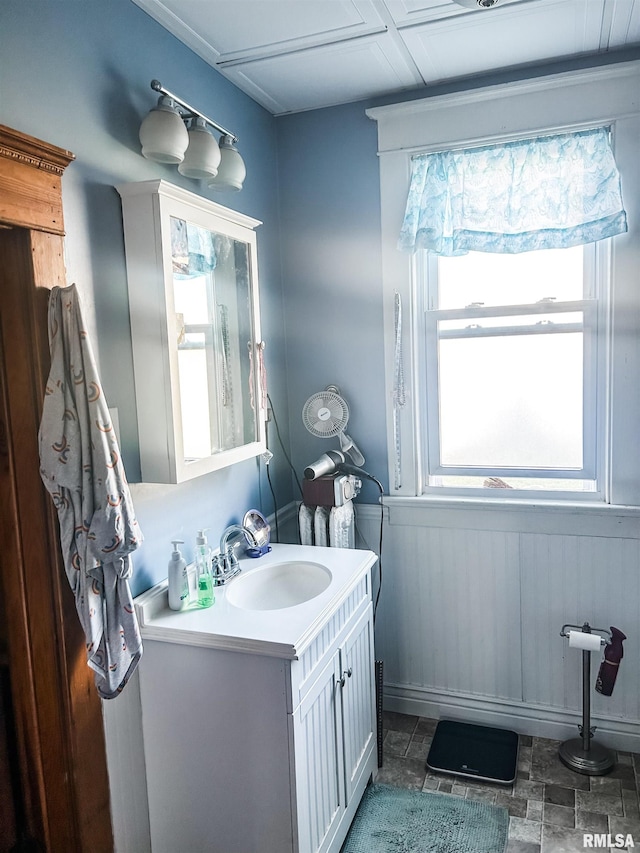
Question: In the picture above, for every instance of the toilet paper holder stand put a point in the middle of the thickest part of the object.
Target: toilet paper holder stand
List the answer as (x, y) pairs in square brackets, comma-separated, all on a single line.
[(583, 754)]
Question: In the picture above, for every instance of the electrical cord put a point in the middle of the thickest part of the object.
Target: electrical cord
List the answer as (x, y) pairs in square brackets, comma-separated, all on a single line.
[(273, 494), (360, 472), (286, 455)]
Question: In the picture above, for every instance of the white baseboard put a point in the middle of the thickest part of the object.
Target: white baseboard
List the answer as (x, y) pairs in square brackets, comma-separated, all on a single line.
[(547, 722)]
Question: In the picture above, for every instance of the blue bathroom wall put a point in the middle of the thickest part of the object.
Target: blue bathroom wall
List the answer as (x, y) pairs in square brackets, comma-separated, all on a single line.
[(77, 74), (330, 218)]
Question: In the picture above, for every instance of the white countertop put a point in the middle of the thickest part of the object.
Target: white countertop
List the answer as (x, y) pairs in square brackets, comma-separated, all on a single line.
[(279, 633)]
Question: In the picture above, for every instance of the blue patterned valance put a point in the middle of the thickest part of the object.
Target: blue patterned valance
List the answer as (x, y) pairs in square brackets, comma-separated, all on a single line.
[(192, 248), (546, 193)]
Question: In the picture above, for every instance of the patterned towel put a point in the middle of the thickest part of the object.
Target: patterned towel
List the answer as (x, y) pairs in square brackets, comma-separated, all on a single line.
[(81, 467)]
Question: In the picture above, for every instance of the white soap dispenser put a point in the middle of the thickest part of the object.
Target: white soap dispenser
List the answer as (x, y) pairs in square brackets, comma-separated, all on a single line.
[(178, 578)]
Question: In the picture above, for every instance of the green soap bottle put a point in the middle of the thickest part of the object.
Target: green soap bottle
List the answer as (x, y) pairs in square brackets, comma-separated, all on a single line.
[(204, 579)]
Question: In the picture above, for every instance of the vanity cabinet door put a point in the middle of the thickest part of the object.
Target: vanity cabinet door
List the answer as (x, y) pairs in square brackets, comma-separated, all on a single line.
[(358, 700), (319, 765), (334, 738)]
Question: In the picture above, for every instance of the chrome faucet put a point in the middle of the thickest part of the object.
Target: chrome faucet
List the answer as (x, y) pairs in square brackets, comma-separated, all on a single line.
[(225, 564)]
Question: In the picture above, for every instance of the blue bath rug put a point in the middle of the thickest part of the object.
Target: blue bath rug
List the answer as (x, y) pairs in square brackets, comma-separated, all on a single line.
[(397, 820)]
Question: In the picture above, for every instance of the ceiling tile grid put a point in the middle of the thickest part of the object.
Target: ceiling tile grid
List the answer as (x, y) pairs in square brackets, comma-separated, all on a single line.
[(406, 13), (356, 69), (509, 37), (294, 55)]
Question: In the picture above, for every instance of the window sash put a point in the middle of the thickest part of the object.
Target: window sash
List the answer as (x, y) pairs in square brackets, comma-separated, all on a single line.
[(538, 327), (592, 424)]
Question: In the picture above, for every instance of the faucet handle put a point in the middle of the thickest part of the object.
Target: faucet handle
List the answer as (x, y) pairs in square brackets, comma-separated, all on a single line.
[(217, 565), (230, 559)]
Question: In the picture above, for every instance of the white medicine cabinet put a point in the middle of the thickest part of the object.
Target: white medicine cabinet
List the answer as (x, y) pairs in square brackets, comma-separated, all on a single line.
[(195, 329)]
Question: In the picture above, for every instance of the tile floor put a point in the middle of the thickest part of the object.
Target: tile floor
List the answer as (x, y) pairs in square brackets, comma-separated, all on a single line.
[(550, 806)]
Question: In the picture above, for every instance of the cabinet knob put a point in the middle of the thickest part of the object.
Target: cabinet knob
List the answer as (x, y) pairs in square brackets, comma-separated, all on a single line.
[(346, 674)]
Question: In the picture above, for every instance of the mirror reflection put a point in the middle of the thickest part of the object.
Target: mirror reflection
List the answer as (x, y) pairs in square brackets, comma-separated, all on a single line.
[(213, 326)]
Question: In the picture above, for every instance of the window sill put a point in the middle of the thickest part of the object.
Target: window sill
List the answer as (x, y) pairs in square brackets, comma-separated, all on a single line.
[(564, 518), (510, 504)]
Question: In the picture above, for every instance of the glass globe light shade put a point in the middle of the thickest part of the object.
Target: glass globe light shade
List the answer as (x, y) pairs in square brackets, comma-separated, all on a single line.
[(163, 135), (203, 154), (232, 171)]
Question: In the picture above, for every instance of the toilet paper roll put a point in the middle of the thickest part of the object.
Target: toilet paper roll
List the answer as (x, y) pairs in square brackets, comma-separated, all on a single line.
[(582, 640)]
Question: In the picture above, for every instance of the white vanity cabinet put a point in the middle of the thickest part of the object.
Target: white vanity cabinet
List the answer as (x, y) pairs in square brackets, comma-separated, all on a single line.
[(260, 745)]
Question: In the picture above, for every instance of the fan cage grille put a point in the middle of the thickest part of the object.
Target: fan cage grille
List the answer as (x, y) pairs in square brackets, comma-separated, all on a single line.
[(316, 419)]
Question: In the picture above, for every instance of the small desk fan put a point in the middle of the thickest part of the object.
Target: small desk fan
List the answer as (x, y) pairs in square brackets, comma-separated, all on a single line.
[(326, 415)]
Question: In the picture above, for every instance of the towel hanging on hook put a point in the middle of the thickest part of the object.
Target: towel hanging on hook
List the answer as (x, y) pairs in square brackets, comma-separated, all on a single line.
[(81, 467)]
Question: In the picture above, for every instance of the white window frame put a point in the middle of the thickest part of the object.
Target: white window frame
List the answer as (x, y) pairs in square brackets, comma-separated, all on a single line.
[(556, 103), (594, 306)]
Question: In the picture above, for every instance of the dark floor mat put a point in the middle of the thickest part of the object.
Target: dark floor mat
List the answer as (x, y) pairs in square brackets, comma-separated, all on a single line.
[(479, 752)]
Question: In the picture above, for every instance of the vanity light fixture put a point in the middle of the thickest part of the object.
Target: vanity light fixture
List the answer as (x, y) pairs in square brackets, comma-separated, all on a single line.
[(175, 132)]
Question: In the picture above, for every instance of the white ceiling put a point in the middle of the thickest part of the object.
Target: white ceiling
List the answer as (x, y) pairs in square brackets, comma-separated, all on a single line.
[(293, 55)]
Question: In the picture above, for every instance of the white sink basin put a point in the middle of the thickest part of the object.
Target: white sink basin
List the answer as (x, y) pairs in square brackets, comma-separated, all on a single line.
[(278, 585)]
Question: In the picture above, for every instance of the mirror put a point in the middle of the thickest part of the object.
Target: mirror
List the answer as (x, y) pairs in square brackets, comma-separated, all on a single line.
[(212, 301), (204, 408)]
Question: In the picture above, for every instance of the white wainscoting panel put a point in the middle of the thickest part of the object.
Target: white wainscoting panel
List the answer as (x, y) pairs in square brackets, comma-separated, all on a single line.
[(472, 604), (579, 579), (449, 612)]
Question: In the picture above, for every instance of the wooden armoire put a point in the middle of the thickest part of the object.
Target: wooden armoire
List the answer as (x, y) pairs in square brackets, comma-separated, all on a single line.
[(54, 792)]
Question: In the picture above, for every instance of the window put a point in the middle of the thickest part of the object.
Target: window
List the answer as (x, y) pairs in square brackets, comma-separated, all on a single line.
[(511, 322), (512, 370), (605, 441)]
